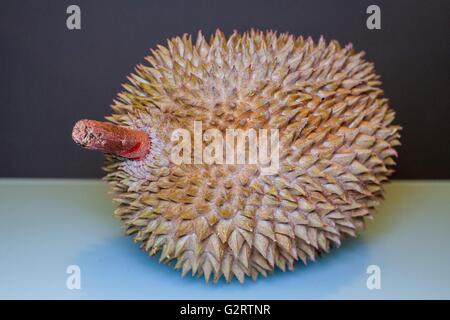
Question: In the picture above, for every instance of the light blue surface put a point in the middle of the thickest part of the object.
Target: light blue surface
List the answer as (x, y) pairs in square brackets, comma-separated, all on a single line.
[(47, 225)]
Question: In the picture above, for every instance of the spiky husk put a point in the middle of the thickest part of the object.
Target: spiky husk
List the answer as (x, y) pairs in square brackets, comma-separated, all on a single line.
[(336, 149)]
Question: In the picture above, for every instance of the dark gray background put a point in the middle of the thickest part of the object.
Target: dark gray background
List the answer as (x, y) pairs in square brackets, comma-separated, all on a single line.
[(51, 76)]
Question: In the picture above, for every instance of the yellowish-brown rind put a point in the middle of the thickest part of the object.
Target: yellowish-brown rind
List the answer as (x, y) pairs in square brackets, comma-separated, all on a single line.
[(336, 150)]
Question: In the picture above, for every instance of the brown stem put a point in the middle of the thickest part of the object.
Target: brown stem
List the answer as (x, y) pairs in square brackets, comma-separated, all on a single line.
[(110, 138)]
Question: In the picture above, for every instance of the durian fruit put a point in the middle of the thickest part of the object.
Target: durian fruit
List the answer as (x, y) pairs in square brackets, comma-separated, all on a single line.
[(336, 150)]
